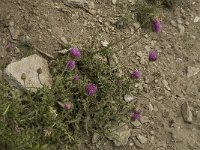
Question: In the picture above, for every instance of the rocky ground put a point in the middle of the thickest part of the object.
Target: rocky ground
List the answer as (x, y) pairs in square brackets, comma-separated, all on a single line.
[(169, 88)]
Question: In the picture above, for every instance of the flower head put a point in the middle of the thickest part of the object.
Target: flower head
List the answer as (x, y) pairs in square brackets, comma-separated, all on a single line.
[(157, 27), (91, 89), (136, 115), (153, 56), (76, 78), (70, 65), (75, 53), (67, 106), (136, 74)]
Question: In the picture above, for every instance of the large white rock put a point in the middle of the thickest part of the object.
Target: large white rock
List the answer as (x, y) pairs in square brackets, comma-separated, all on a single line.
[(29, 68)]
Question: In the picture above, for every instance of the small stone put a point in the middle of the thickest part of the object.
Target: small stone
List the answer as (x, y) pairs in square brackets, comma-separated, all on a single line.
[(131, 144), (63, 39), (75, 3), (146, 36), (196, 19), (166, 85), (179, 21), (186, 113), (114, 1), (136, 124), (63, 52), (142, 139), (75, 16), (181, 29), (95, 138), (120, 135), (144, 119), (150, 107), (152, 132), (173, 23), (192, 71), (113, 60), (147, 48), (142, 57), (193, 37), (11, 23), (128, 98), (136, 25), (17, 50), (104, 43), (91, 5), (187, 23), (14, 33), (138, 144)]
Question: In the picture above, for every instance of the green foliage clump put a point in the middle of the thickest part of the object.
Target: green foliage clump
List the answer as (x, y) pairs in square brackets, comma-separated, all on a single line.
[(37, 120)]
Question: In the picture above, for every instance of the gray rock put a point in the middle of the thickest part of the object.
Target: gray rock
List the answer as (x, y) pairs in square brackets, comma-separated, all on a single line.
[(173, 23), (181, 29), (142, 57), (104, 43), (128, 98), (144, 119), (196, 19), (17, 50), (150, 107), (179, 20), (192, 71), (113, 60), (63, 52), (186, 113), (166, 85), (63, 39), (95, 138), (193, 37), (114, 1), (14, 33), (75, 3), (142, 139), (29, 73), (187, 23), (138, 144), (136, 124), (136, 25), (120, 135)]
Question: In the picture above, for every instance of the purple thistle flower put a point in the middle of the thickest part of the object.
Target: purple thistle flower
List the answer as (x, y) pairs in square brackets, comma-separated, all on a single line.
[(153, 56), (136, 74), (136, 115), (75, 52), (67, 106), (157, 27), (91, 89), (76, 78), (70, 65)]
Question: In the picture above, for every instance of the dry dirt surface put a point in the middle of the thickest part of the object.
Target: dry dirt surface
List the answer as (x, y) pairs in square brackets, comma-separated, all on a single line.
[(165, 85)]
